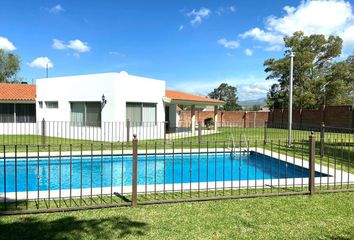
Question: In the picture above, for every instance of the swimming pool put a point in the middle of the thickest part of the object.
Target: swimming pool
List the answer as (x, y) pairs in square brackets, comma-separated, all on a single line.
[(106, 171)]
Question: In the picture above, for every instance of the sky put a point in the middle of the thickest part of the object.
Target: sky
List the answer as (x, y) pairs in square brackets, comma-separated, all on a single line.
[(192, 45)]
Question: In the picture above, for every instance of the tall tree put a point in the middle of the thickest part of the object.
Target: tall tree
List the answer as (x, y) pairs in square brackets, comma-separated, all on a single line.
[(317, 77), (228, 94), (9, 67)]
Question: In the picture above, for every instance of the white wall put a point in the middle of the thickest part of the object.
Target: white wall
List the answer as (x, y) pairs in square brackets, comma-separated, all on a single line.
[(118, 89)]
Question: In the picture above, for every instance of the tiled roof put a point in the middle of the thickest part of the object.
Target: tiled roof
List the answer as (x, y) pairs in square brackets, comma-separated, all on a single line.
[(17, 92), (177, 95)]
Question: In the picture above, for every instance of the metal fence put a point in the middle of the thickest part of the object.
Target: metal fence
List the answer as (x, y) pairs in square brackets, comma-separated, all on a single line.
[(36, 178), (48, 132)]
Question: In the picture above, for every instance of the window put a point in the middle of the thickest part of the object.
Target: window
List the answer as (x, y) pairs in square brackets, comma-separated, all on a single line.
[(86, 114), (20, 112), (25, 113), (7, 112), (138, 113), (40, 103), (51, 104)]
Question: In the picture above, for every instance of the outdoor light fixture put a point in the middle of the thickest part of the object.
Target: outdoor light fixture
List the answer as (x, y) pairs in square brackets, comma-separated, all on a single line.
[(104, 101)]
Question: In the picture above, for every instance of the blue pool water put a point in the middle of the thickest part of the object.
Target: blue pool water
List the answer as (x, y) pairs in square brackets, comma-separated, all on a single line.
[(103, 171)]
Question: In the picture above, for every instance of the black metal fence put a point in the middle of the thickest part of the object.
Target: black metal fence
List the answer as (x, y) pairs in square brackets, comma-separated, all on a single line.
[(37, 178), (45, 132)]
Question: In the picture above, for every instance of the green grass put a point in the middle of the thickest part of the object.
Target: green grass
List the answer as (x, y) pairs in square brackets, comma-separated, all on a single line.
[(325, 216)]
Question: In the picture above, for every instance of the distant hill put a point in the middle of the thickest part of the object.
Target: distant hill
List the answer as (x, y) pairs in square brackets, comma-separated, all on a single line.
[(259, 101)]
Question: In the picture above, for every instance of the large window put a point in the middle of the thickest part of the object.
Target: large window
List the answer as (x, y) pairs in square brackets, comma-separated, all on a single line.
[(138, 113), (19, 112), (86, 114)]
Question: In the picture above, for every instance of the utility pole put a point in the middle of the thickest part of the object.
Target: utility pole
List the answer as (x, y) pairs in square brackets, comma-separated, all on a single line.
[(290, 107)]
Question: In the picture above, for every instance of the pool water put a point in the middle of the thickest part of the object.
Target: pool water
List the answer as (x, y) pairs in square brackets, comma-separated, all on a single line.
[(86, 172)]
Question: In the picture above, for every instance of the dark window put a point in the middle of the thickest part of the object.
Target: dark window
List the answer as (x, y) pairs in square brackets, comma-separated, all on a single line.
[(7, 112), (51, 104), (19, 112), (25, 113), (138, 113), (86, 114)]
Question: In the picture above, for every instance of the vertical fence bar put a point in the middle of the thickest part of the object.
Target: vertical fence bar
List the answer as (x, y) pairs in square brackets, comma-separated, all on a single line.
[(199, 132), (135, 172), (322, 136), (265, 131), (128, 131), (312, 154), (43, 133)]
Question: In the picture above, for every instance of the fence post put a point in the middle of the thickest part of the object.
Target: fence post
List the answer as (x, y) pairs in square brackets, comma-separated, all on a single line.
[(200, 132), (312, 153), (135, 172), (322, 136), (43, 132), (265, 131), (128, 131)]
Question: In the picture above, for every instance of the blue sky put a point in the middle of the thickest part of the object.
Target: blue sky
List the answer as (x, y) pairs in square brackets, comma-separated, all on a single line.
[(193, 45)]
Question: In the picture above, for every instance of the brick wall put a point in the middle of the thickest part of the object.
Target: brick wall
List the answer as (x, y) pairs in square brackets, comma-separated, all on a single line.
[(234, 118), (333, 116)]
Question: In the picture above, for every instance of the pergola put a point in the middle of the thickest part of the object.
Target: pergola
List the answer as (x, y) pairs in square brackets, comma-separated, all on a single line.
[(174, 98)]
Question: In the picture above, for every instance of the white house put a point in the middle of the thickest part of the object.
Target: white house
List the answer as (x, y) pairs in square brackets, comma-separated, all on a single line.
[(109, 106)]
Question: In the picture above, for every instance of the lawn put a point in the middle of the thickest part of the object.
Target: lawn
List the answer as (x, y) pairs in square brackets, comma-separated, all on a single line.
[(322, 216)]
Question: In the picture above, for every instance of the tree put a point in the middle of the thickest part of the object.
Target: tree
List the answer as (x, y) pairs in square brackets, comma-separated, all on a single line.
[(314, 68), (228, 94), (9, 67)]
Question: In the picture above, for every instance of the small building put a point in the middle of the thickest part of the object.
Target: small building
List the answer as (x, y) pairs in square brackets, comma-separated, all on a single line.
[(107, 106)]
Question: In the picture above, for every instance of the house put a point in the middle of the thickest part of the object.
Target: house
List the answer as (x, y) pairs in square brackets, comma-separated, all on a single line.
[(17, 103), (107, 106)]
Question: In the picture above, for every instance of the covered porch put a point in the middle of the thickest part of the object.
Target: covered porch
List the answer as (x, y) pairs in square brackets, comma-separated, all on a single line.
[(173, 99)]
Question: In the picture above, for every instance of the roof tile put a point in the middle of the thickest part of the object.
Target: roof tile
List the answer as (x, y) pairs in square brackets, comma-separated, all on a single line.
[(17, 92), (177, 95)]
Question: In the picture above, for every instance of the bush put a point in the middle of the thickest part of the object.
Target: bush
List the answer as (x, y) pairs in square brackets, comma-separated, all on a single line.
[(208, 122)]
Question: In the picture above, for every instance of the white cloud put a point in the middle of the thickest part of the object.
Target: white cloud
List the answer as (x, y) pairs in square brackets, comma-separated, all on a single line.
[(57, 9), (58, 44), (198, 15), (331, 17), (76, 45), (248, 52), (268, 37), (274, 48), (257, 88), (228, 44), (248, 87), (224, 10), (6, 45), (180, 28), (41, 62), (312, 17)]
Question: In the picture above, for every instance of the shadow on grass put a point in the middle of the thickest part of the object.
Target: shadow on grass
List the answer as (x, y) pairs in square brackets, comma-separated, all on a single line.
[(72, 228)]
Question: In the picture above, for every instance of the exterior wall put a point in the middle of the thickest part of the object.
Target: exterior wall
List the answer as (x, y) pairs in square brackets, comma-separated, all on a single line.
[(331, 116), (118, 88), (232, 118)]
